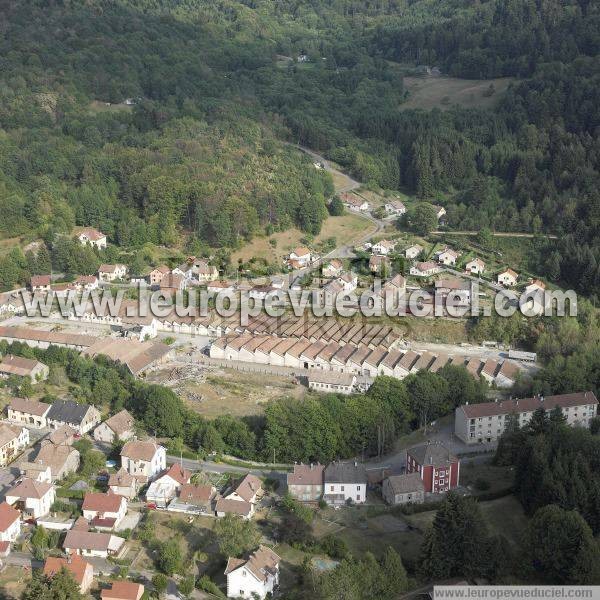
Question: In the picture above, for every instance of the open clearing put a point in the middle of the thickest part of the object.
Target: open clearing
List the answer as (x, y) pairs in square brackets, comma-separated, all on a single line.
[(236, 393), (344, 229), (445, 92)]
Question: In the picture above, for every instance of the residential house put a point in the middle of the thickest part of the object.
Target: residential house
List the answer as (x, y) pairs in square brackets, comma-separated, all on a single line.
[(81, 417), (378, 264), (91, 543), (403, 489), (35, 471), (348, 281), (447, 257), (436, 465), (64, 435), (81, 570), (404, 366), (85, 283), (488, 372), (383, 247), (172, 283), (93, 237), (30, 413), (424, 269), (104, 511), (62, 459), (535, 285), (13, 438), (508, 278), (119, 427), (305, 482), (144, 460), (123, 590), (10, 523), (345, 482), (413, 251), (123, 484), (112, 272), (254, 577), (40, 283), (440, 212), (225, 506), (163, 489), (301, 256), (457, 290), (354, 202), (156, 275), (203, 271), (216, 287), (249, 489), (18, 366), (395, 208), (333, 268), (485, 422), (32, 498), (194, 498), (475, 266), (331, 381)]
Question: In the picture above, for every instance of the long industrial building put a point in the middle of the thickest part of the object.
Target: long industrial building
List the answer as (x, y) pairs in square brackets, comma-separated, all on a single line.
[(359, 359)]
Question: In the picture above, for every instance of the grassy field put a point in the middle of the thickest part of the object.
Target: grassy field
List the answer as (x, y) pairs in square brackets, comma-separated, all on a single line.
[(13, 581), (240, 394), (445, 92), (276, 247), (497, 478)]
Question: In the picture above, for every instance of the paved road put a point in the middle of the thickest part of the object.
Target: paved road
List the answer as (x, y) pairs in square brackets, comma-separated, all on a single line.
[(211, 467), (502, 234)]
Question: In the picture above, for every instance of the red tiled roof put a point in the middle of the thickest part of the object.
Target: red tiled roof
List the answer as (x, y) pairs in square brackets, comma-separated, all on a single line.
[(123, 590), (306, 475), (75, 564), (99, 502), (8, 515)]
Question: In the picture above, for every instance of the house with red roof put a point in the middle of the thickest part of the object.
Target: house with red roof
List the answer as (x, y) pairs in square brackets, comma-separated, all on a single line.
[(81, 570)]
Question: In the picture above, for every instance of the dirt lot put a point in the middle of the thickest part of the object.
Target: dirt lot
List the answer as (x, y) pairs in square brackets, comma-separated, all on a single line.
[(445, 92), (13, 581), (344, 229), (227, 391)]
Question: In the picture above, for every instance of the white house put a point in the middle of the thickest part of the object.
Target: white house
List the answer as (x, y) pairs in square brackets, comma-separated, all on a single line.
[(383, 247), (86, 283), (440, 211), (348, 281), (355, 203), (81, 417), (247, 490), (345, 482), (89, 543), (10, 523), (508, 278), (32, 498), (34, 370), (254, 577), (144, 460), (123, 484), (475, 266), (40, 283), (112, 272), (93, 237), (30, 413), (413, 251), (395, 208), (13, 438), (104, 511), (424, 269), (447, 257), (300, 256), (163, 489)]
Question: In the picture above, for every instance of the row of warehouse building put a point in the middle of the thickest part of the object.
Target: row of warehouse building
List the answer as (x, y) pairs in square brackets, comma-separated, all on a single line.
[(359, 360)]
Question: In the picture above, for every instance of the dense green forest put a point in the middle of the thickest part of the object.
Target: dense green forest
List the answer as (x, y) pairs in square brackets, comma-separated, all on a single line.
[(219, 85)]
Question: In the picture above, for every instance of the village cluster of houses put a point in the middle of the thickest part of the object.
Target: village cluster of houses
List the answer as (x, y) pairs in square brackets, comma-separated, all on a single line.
[(430, 469), (143, 464)]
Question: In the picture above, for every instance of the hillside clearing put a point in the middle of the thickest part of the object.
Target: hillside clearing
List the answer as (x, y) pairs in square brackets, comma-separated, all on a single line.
[(444, 92)]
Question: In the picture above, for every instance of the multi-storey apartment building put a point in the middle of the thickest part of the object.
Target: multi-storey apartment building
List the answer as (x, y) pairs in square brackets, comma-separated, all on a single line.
[(485, 422)]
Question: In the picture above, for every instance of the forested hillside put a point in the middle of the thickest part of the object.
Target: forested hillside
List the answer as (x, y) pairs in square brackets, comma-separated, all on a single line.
[(218, 85)]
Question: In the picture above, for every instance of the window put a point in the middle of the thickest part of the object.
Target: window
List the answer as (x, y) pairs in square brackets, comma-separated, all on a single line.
[(358, 487), (342, 488), (331, 488)]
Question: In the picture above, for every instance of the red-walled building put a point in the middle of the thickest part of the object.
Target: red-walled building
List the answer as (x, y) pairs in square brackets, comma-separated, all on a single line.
[(439, 469)]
